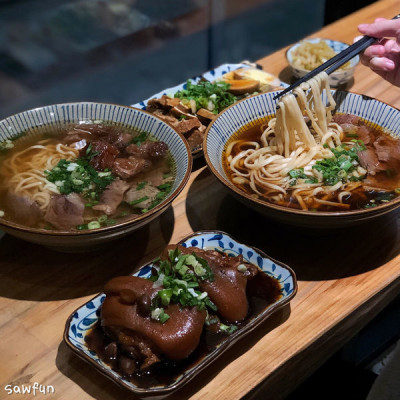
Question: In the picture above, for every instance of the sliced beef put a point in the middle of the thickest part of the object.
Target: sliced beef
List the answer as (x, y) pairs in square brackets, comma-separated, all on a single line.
[(149, 193), (369, 161), (346, 119), (123, 312), (65, 211), (104, 154), (76, 135), (127, 168), (365, 134), (148, 150), (112, 197), (24, 210), (387, 148)]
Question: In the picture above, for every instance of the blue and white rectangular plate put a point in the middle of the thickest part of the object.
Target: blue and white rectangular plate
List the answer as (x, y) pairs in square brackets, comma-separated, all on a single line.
[(211, 75), (85, 317)]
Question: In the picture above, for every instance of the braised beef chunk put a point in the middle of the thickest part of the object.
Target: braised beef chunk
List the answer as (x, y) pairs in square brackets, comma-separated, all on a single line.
[(150, 339), (24, 210), (65, 211), (112, 197), (149, 150), (127, 168), (103, 154)]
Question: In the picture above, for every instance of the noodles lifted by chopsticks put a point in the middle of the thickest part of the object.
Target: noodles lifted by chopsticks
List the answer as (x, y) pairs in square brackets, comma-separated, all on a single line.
[(290, 145)]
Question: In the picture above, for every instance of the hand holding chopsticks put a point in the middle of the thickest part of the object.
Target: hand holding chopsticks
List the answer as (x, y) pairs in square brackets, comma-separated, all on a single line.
[(335, 62)]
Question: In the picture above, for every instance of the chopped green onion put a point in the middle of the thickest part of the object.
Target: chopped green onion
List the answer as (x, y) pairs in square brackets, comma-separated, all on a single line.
[(141, 185), (102, 218), (165, 296), (142, 199), (228, 329), (93, 225), (164, 186), (81, 227), (242, 268)]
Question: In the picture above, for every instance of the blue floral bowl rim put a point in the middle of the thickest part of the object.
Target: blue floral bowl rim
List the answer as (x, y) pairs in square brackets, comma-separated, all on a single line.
[(203, 364), (119, 225), (365, 212)]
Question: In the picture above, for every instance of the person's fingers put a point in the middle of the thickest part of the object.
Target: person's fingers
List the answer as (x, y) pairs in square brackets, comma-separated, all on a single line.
[(381, 28), (381, 64), (375, 50)]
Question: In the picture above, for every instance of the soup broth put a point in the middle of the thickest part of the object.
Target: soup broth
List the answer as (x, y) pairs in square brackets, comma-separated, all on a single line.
[(362, 172), (83, 176)]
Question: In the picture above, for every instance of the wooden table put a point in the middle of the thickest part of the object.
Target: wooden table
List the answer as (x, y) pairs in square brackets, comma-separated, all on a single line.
[(345, 279)]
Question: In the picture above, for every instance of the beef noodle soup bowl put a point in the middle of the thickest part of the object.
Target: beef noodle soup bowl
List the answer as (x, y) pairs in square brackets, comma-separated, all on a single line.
[(346, 176), (74, 176)]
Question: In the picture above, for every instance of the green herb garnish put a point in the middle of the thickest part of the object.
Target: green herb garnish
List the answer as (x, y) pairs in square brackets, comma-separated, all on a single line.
[(180, 275), (211, 96), (341, 166), (79, 176), (139, 139)]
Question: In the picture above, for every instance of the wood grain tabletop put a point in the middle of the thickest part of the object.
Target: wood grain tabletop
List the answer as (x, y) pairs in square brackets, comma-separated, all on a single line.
[(345, 278)]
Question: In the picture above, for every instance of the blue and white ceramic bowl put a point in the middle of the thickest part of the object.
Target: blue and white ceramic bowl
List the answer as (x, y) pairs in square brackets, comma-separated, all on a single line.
[(39, 119), (249, 112), (85, 317), (338, 77)]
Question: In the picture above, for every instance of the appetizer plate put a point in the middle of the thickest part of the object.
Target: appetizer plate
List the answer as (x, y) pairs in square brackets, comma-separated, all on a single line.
[(85, 317), (211, 75)]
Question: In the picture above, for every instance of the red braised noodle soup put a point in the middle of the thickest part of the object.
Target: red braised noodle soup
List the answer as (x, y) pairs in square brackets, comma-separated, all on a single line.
[(308, 159)]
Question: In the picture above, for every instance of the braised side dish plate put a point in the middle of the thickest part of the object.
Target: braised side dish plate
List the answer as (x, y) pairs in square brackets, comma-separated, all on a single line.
[(159, 328), (190, 107), (83, 176)]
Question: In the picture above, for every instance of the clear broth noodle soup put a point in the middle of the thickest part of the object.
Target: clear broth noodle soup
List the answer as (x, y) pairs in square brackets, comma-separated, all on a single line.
[(82, 176), (306, 158)]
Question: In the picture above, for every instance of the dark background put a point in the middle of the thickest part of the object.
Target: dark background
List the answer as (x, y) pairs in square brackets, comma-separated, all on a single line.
[(123, 51)]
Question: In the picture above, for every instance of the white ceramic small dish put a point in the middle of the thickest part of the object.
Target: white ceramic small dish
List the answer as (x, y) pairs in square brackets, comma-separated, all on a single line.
[(338, 77)]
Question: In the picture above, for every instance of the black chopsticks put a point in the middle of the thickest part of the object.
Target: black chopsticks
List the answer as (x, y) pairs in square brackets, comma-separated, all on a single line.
[(335, 62)]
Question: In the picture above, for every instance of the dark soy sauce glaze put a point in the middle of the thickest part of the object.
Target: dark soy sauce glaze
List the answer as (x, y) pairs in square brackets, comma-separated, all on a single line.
[(262, 291)]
